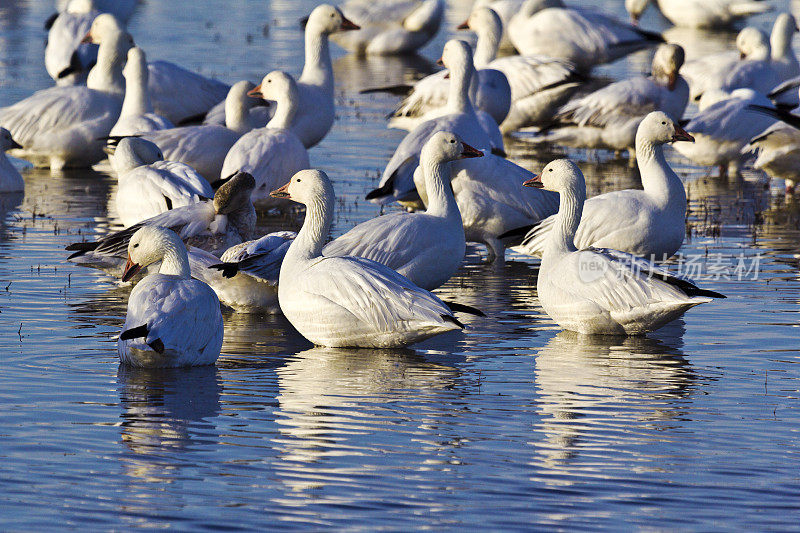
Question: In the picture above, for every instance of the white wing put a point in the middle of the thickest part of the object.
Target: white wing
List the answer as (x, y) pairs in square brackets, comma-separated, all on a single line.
[(179, 94), (202, 147), (64, 40)]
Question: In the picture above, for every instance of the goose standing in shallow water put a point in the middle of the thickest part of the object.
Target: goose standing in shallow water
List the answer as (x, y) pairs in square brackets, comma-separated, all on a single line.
[(426, 247), (137, 114), (349, 301), (173, 320), (648, 223), (10, 178), (148, 185), (597, 290), (272, 154), (61, 127)]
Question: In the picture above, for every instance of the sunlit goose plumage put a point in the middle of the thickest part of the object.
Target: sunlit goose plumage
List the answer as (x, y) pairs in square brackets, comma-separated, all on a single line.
[(179, 94), (426, 247), (700, 13), (149, 186), (245, 277), (214, 225), (581, 36), (204, 147), (10, 178), (137, 114), (778, 149), (121, 9), (61, 126), (597, 290), (349, 301), (505, 9), (648, 223), (489, 89), (315, 114), (723, 129), (272, 154), (609, 117), (397, 181), (390, 26), (173, 320), (66, 58), (782, 54)]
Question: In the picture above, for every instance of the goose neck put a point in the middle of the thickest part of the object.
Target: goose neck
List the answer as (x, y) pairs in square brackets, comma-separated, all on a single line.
[(286, 107), (570, 209), (318, 69), (781, 41), (312, 236), (458, 100), (486, 49), (237, 115), (106, 76), (441, 200), (175, 261), (658, 179), (137, 99)]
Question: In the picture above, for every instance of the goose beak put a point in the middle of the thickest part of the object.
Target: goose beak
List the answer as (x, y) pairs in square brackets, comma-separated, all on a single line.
[(535, 181), (131, 269), (469, 151), (15, 144), (255, 92), (348, 24), (681, 135), (87, 38), (463, 26), (283, 192)]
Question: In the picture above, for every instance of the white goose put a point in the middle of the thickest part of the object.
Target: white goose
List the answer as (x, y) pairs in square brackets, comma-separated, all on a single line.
[(173, 320), (700, 13), (390, 26), (348, 301), (149, 186), (648, 223), (602, 291), (181, 95), (489, 88), (316, 111), (272, 154), (204, 147), (61, 126), (397, 181), (426, 247), (505, 9), (137, 114), (609, 118), (10, 178), (780, 41), (214, 225), (581, 36), (245, 277), (778, 148), (724, 128), (121, 9), (66, 58)]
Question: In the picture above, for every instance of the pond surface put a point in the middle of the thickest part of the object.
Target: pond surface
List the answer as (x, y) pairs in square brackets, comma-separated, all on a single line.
[(511, 425)]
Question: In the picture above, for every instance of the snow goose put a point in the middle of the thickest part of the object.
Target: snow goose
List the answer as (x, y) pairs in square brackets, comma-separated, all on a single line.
[(700, 13), (149, 186), (61, 126), (489, 89), (245, 277), (182, 95), (597, 290), (172, 320), (214, 225), (581, 36), (137, 111), (724, 128), (505, 9), (648, 223), (389, 26), (121, 9), (10, 178), (609, 118), (539, 84), (204, 147), (426, 247), (348, 301), (66, 58), (778, 147), (273, 154), (316, 111), (780, 41), (397, 182)]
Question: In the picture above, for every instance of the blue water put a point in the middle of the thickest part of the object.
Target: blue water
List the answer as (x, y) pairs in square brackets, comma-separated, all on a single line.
[(510, 425)]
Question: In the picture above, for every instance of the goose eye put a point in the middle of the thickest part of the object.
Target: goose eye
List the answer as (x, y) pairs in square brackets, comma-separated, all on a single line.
[(298, 180), (663, 123), (551, 170), (333, 15), (136, 245), (452, 141)]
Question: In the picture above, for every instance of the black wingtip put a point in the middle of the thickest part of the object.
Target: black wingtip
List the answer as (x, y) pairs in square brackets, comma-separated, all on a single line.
[(499, 152), (216, 184), (303, 22), (194, 119), (48, 24), (516, 233), (780, 114), (80, 248), (74, 66), (399, 90), (454, 320), (704, 292), (134, 333), (650, 35), (228, 270), (157, 345), (382, 191), (461, 308)]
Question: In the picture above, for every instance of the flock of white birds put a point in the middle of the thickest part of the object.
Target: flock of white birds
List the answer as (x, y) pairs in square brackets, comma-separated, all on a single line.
[(194, 157)]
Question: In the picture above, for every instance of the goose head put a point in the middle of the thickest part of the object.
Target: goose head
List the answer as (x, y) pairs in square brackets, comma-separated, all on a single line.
[(635, 8), (562, 176), (530, 7), (238, 105), (80, 7), (151, 244), (234, 194), (329, 19), (136, 66), (133, 152), (658, 128), (444, 146), (667, 61), (307, 187), (752, 43), (456, 56), (6, 141), (483, 21), (104, 26)]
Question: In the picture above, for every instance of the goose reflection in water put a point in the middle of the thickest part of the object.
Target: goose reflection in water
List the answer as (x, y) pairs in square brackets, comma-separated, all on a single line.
[(336, 403), (601, 395)]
